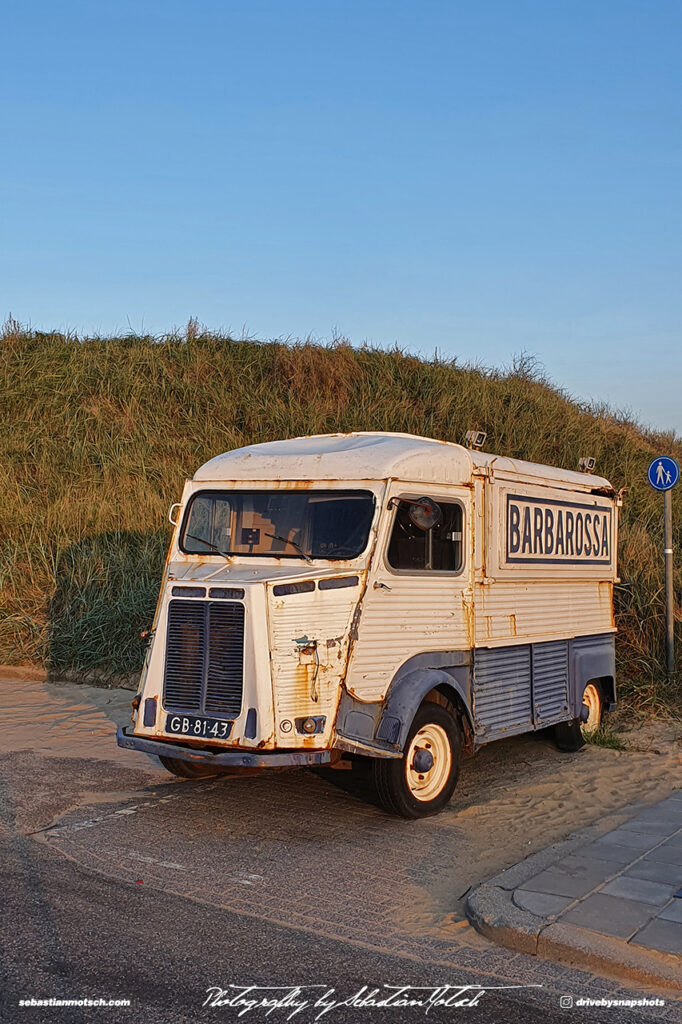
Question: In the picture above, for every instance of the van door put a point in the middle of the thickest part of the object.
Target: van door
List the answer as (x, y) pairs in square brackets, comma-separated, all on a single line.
[(419, 596)]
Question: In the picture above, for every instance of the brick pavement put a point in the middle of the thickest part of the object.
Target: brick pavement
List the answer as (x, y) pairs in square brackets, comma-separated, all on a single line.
[(303, 854)]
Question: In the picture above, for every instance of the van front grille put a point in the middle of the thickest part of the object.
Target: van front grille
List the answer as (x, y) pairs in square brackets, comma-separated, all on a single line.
[(204, 671)]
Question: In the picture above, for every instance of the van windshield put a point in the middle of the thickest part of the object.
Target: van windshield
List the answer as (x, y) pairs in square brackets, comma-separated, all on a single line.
[(281, 524)]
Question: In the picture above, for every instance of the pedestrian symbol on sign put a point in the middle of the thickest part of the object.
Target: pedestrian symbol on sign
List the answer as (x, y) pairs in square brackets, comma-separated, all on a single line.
[(664, 473)]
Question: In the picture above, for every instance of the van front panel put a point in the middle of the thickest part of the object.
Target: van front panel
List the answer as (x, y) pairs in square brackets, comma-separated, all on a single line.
[(309, 631)]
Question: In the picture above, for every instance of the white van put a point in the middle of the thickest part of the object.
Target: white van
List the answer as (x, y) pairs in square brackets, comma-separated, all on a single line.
[(383, 596)]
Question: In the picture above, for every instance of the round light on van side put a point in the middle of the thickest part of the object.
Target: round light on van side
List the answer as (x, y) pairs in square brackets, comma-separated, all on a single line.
[(309, 725), (285, 725), (425, 513)]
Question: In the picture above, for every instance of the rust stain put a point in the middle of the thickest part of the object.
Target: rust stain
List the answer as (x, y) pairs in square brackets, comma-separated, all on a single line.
[(353, 631), (468, 609), (512, 624), (288, 485), (303, 682), (353, 634)]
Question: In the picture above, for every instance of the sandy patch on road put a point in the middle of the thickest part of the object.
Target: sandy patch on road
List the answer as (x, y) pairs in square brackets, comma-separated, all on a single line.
[(59, 742), (524, 793), (66, 720)]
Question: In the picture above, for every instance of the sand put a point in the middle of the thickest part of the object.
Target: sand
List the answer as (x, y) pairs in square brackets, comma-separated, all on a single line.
[(66, 720), (514, 797)]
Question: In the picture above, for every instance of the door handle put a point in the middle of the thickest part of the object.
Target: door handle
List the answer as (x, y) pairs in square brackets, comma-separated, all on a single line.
[(378, 585)]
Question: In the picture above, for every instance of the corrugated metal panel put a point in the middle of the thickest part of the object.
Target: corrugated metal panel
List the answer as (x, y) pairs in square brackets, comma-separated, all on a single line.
[(204, 657), (588, 643), (419, 614), (324, 618), (550, 681), (561, 608), (502, 689)]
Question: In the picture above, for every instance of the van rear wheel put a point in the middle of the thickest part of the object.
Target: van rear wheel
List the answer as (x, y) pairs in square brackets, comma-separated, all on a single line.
[(422, 782), (188, 769), (592, 698), (571, 736)]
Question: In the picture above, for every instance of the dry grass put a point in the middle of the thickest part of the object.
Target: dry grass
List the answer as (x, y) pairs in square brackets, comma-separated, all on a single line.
[(98, 434)]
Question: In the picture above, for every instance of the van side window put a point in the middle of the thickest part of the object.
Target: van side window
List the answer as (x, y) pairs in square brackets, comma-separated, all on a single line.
[(437, 550)]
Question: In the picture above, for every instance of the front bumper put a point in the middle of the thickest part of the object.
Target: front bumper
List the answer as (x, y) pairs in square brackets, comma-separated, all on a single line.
[(233, 758)]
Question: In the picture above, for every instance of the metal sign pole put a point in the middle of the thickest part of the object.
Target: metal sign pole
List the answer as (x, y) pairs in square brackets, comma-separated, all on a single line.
[(664, 474), (669, 601)]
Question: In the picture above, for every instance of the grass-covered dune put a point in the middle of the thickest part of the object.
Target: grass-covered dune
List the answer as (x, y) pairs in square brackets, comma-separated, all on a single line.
[(98, 434)]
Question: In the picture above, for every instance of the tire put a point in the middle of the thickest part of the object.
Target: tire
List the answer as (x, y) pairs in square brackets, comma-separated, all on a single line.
[(568, 736), (405, 791), (571, 736), (188, 769), (592, 696)]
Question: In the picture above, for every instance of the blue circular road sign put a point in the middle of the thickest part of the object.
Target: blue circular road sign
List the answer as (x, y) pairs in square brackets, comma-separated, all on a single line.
[(664, 473)]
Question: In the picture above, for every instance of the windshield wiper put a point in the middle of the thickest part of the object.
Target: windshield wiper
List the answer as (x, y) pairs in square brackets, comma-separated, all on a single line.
[(225, 554), (208, 544), (285, 540)]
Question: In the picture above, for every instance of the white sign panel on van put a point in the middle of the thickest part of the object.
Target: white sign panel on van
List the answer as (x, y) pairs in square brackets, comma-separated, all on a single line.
[(551, 532)]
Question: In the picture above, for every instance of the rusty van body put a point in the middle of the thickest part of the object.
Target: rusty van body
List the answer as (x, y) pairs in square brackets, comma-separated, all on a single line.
[(373, 595)]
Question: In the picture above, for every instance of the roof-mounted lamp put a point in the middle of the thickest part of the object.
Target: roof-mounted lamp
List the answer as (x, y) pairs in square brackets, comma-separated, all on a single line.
[(475, 438)]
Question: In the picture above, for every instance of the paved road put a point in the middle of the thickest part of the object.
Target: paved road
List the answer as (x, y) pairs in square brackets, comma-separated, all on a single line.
[(117, 883)]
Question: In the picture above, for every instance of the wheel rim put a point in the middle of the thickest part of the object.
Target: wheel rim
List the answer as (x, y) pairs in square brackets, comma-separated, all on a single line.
[(593, 701), (426, 785)]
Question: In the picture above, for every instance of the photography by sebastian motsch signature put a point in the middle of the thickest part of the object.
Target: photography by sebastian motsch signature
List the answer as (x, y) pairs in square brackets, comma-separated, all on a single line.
[(289, 1001)]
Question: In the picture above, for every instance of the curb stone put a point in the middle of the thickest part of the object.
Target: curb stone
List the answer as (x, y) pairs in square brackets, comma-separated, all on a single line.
[(578, 947), (493, 913)]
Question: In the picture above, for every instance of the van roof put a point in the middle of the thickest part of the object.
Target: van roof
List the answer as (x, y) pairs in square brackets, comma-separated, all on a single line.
[(377, 455)]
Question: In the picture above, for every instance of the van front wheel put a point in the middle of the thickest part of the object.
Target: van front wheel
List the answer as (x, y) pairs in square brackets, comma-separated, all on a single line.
[(188, 769), (422, 782)]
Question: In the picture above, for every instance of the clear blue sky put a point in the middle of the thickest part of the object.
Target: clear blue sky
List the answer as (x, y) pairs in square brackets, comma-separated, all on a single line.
[(479, 177)]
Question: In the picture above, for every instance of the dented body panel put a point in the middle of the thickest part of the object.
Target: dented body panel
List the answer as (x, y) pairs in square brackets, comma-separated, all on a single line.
[(507, 621)]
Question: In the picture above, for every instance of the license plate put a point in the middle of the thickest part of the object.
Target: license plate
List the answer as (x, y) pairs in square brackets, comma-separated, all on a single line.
[(185, 725)]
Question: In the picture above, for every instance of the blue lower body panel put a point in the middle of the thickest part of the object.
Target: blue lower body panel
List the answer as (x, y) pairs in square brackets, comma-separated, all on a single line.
[(230, 758), (531, 686)]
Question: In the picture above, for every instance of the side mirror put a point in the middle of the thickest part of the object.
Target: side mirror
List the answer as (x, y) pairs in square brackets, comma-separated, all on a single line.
[(176, 504)]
